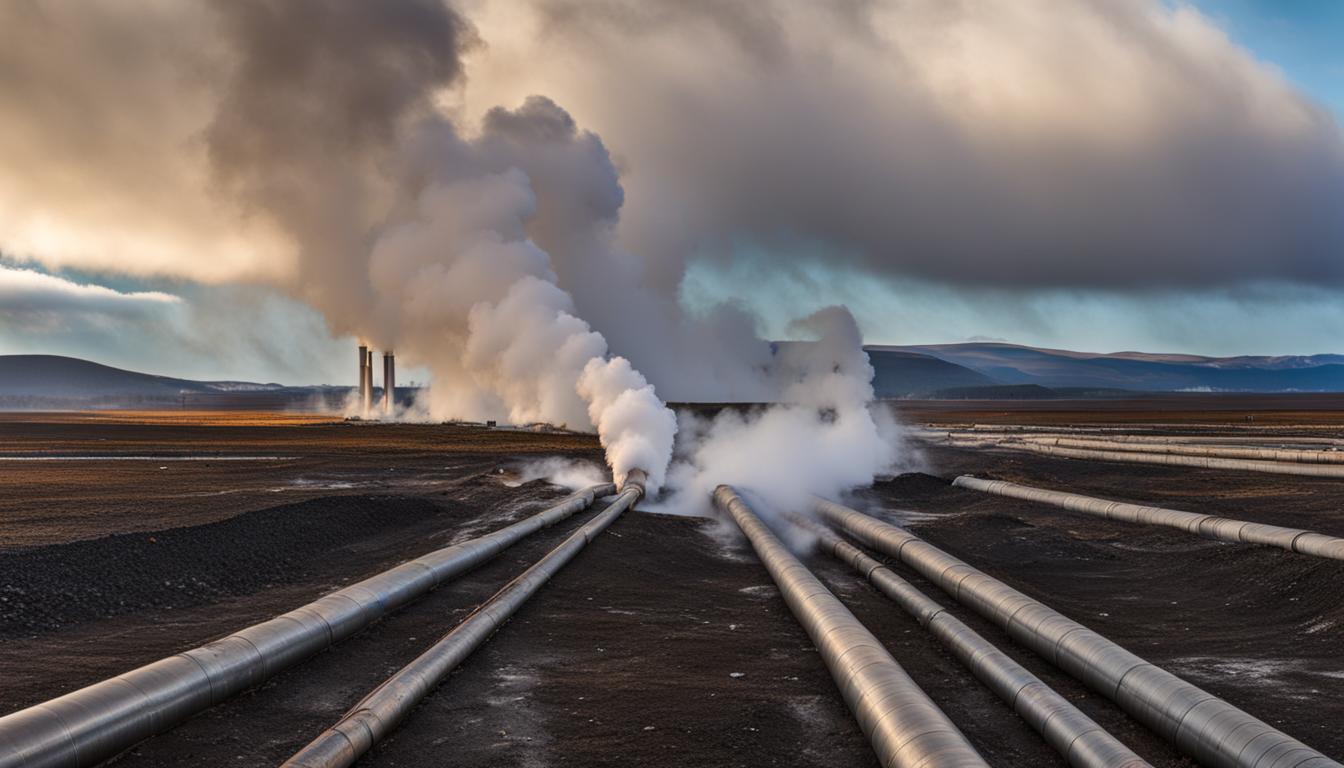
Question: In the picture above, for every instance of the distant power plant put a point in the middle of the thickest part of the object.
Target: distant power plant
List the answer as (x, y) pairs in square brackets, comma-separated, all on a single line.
[(366, 381)]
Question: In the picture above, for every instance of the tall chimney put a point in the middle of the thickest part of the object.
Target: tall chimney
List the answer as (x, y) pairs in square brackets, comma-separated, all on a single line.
[(367, 402), (389, 382), (363, 380)]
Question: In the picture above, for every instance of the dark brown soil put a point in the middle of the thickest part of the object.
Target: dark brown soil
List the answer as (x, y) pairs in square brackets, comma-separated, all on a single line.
[(663, 643)]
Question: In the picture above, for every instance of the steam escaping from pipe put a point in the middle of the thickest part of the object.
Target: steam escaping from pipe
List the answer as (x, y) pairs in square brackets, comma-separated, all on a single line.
[(485, 250), (569, 473), (420, 234), (825, 433)]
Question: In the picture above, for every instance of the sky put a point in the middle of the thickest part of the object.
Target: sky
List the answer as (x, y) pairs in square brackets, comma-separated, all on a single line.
[(790, 194)]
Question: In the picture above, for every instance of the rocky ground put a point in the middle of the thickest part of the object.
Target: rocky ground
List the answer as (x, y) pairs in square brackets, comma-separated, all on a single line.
[(662, 644)]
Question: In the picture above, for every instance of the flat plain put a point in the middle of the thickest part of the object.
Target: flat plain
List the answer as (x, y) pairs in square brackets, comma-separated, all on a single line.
[(664, 642)]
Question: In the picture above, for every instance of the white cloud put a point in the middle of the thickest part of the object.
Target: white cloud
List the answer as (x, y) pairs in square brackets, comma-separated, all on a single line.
[(29, 298)]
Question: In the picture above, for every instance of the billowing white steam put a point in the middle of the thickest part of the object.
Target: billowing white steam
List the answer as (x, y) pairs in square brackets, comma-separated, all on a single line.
[(569, 473), (476, 299), (825, 436), (325, 133)]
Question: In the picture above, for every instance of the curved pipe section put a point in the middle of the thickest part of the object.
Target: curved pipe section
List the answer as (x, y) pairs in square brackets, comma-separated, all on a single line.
[(1202, 725), (1076, 737), (87, 726), (904, 726), (1202, 462), (1296, 455), (383, 710), (1208, 526)]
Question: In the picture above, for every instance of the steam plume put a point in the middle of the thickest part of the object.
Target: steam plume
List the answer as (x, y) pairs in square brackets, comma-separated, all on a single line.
[(825, 436)]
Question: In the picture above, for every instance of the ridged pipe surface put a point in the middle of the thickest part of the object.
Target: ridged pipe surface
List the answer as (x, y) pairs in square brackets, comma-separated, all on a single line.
[(904, 726), (1317, 444), (1076, 737), (1201, 725), (1202, 462), (87, 726), (1297, 455), (382, 710), (1208, 526), (1320, 443)]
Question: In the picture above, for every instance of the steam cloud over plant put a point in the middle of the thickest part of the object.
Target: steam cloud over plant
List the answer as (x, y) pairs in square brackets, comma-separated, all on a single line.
[(355, 155)]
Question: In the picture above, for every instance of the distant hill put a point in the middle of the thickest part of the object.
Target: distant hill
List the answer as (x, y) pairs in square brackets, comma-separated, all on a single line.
[(1143, 372), (899, 373), (52, 381), (941, 371), (56, 376)]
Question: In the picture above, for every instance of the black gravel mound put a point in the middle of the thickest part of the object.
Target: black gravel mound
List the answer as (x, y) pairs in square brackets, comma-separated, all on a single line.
[(913, 485), (46, 588)]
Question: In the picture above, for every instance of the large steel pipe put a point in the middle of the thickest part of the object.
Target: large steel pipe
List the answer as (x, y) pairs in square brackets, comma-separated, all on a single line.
[(1321, 443), (1298, 455), (904, 726), (91, 724), (1203, 726), (1202, 462), (382, 710), (1208, 526), (1327, 445), (1077, 737)]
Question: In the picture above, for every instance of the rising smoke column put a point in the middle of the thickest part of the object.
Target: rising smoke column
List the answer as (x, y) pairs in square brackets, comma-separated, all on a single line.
[(417, 238), (322, 135), (825, 436)]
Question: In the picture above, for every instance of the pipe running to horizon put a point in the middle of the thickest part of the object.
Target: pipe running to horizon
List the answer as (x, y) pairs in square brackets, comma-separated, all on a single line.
[(1203, 726), (1130, 457), (1295, 455), (387, 706), (1074, 735), (903, 724), (92, 724), (1209, 526)]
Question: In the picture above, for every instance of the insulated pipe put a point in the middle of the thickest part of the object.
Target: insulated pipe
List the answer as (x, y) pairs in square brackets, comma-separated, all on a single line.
[(1303, 456), (382, 710), (1077, 737), (89, 725), (1181, 439), (1189, 444), (1208, 526), (1201, 725), (1202, 462), (905, 727)]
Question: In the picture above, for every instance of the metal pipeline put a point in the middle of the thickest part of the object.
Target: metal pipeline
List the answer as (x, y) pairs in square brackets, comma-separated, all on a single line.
[(381, 711), (1202, 462), (1301, 456), (1208, 526), (904, 726), (87, 726), (1077, 737), (1322, 443), (1203, 726)]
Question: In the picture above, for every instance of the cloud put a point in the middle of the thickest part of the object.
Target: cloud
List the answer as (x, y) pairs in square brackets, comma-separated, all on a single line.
[(1025, 147), (101, 143), (225, 332), (1123, 145), (30, 300)]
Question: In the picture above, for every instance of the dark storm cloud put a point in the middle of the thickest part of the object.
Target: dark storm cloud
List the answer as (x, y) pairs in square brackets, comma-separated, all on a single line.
[(1033, 144), (322, 97)]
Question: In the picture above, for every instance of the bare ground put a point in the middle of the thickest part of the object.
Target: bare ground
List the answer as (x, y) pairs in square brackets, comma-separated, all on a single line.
[(663, 643)]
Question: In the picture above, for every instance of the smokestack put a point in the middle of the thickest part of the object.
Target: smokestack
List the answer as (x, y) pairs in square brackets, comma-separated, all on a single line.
[(389, 382), (366, 389), (363, 380)]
